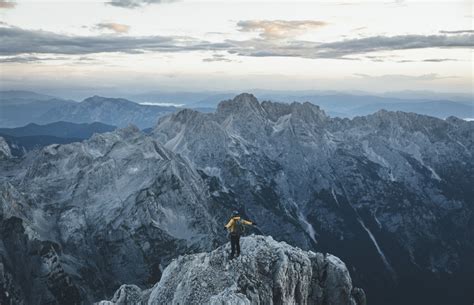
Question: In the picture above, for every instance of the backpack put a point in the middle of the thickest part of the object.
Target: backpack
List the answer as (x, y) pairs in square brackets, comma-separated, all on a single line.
[(239, 227)]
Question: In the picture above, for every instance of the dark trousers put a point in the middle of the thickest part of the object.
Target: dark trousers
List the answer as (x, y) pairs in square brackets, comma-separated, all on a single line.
[(235, 244)]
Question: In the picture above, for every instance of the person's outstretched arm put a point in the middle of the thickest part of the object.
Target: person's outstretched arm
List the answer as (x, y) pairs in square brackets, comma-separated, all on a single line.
[(248, 222), (230, 223)]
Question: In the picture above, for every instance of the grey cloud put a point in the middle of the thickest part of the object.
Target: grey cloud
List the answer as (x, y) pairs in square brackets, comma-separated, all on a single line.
[(16, 41), (19, 59), (7, 4), (402, 77), (19, 41), (439, 59), (393, 58), (135, 3), (113, 26), (28, 59), (278, 29), (381, 58), (342, 49), (217, 57), (401, 42), (85, 58), (458, 32)]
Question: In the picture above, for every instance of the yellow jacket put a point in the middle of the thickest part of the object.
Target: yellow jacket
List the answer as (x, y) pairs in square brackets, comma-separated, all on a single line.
[(231, 224)]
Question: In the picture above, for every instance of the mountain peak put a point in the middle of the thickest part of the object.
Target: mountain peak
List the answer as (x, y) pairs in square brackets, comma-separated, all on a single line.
[(244, 103), (245, 97), (305, 111), (94, 98), (267, 272), (101, 99), (185, 115)]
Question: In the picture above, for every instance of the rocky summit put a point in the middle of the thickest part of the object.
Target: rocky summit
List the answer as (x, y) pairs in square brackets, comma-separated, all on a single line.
[(390, 194), (267, 272)]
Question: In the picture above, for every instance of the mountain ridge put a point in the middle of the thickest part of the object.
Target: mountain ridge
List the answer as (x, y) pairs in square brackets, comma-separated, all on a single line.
[(388, 193), (34, 136), (59, 129), (267, 272), (113, 111)]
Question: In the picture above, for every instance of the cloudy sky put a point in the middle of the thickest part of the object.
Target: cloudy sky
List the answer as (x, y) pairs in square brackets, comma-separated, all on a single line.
[(141, 45)]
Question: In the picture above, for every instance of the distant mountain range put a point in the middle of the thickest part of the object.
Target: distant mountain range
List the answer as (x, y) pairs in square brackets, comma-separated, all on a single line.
[(19, 108), (16, 97), (440, 109), (336, 104), (34, 136), (59, 129), (114, 111), (343, 105)]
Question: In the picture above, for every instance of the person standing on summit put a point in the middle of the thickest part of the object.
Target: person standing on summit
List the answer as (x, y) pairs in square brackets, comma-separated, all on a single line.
[(235, 227)]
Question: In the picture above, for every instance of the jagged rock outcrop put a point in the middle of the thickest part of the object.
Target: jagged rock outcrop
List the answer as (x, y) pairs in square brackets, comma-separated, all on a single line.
[(267, 272), (5, 151), (127, 294)]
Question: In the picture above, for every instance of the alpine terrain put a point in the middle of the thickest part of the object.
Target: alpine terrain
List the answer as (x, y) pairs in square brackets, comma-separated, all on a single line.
[(390, 194), (268, 273)]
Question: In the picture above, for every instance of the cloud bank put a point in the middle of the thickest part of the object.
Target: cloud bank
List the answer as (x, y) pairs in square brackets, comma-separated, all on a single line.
[(135, 3), (389, 43), (18, 41), (401, 77), (458, 32)]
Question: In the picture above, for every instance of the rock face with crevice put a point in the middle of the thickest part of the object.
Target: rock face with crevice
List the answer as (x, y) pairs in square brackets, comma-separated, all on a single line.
[(267, 272)]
